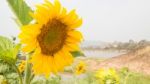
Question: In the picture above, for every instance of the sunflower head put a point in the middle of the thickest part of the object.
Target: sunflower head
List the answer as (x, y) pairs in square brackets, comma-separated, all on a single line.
[(21, 66), (52, 37), (107, 76), (80, 68)]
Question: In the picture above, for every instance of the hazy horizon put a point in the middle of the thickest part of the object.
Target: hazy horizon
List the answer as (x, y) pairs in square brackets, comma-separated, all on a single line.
[(104, 20)]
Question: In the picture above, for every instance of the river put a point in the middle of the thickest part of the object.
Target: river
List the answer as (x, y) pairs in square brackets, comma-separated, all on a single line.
[(102, 54)]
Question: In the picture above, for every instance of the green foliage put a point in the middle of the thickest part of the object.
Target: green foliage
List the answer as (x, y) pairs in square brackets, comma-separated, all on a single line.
[(42, 80), (87, 78), (54, 80), (7, 74), (77, 53), (12, 78), (4, 68), (136, 78), (8, 50), (3, 80), (91, 78), (128, 77), (21, 10)]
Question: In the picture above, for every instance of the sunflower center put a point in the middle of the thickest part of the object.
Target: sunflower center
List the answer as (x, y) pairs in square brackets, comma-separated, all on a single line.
[(80, 68), (52, 37)]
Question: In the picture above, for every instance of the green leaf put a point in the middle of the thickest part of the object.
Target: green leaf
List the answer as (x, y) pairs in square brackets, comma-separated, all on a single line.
[(5, 43), (8, 51), (16, 50), (77, 53), (21, 10)]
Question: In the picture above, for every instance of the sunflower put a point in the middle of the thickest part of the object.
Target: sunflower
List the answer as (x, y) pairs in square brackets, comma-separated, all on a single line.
[(21, 66), (107, 76), (51, 37), (80, 68)]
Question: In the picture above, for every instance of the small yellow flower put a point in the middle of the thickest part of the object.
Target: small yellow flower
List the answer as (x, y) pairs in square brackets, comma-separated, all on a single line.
[(22, 66), (107, 76), (3, 80), (80, 68)]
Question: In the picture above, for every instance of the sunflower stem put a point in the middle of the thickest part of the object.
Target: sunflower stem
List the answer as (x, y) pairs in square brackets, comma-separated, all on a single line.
[(31, 78), (27, 72), (20, 76), (126, 78)]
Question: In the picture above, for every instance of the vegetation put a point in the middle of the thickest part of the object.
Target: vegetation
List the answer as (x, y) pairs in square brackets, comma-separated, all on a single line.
[(129, 46), (126, 77)]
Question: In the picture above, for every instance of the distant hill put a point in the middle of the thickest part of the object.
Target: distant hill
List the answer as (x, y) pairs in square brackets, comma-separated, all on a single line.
[(131, 45), (94, 44)]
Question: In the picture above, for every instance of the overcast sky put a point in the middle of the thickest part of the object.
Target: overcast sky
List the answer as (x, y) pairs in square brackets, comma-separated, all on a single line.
[(104, 20)]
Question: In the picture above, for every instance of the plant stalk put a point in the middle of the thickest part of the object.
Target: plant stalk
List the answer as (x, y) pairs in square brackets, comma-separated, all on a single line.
[(20, 76), (125, 81), (27, 71)]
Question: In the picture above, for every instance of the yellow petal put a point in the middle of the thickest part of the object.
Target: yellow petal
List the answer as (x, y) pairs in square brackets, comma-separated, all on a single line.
[(29, 48), (71, 40), (69, 16), (48, 4), (63, 13), (76, 24), (67, 56), (29, 29), (46, 66), (43, 11), (53, 65), (76, 35), (51, 8), (72, 47), (36, 60), (37, 17), (27, 40), (57, 7), (58, 61)]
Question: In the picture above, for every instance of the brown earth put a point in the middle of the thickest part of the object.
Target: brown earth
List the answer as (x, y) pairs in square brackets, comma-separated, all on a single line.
[(138, 61)]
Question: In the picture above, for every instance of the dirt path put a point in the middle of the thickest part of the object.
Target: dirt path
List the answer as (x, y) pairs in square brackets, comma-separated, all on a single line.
[(138, 61)]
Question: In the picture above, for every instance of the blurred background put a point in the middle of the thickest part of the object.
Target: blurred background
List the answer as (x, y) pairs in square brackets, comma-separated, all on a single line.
[(116, 35), (110, 27)]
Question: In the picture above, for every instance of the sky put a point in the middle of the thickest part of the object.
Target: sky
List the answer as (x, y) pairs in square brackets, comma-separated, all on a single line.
[(103, 20)]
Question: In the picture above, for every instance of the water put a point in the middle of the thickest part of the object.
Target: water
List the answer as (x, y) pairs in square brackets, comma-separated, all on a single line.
[(102, 54)]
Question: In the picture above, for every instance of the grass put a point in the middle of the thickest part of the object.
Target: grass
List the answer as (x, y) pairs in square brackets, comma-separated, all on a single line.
[(88, 78), (137, 78), (133, 78)]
